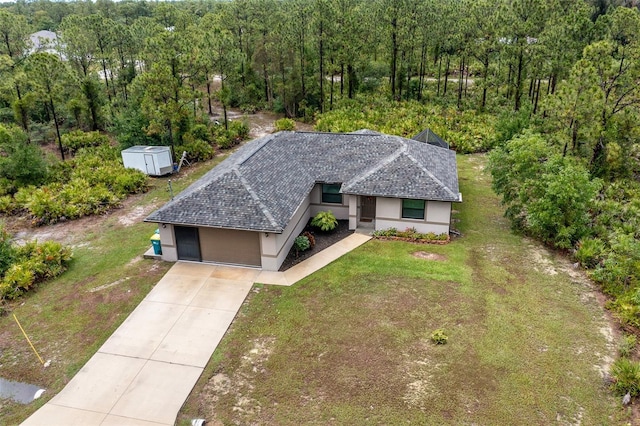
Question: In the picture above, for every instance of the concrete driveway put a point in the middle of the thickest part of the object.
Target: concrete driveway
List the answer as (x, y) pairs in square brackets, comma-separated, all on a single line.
[(144, 372)]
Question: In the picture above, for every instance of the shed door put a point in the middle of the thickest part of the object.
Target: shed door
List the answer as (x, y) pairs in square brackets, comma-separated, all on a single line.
[(151, 167), (188, 243)]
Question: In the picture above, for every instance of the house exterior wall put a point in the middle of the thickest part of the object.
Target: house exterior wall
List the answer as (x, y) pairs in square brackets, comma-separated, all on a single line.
[(389, 215), (275, 247), (167, 240), (216, 245), (340, 211), (354, 214)]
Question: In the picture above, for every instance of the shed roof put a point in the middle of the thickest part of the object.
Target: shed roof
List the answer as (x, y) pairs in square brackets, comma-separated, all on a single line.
[(263, 183), (147, 149)]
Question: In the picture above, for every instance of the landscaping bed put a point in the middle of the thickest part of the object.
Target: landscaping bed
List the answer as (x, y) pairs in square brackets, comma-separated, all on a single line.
[(323, 240)]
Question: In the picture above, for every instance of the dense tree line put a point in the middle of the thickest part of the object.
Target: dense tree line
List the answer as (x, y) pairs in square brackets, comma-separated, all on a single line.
[(155, 69)]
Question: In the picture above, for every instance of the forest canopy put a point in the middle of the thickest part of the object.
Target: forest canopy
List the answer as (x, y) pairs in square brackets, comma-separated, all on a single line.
[(150, 71)]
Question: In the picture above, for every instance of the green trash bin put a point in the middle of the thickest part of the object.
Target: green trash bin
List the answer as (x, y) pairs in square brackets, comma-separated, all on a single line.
[(155, 242)]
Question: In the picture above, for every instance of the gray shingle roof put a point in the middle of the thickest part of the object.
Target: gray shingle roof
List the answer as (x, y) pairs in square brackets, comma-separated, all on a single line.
[(261, 185)]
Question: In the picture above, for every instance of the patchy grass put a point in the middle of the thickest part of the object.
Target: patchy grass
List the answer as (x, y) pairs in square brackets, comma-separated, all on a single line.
[(69, 318), (527, 341)]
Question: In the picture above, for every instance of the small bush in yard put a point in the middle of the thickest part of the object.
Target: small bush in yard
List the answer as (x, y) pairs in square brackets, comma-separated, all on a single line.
[(285, 124), (301, 243), (197, 150), (21, 163), (31, 264), (326, 221), (312, 239), (7, 252), (438, 337), (590, 252), (627, 345), (626, 377), (201, 132)]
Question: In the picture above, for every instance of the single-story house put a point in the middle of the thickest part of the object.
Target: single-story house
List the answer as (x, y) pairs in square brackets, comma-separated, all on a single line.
[(249, 209)]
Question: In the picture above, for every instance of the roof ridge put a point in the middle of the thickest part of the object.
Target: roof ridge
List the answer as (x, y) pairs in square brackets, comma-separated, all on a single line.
[(397, 153), (255, 197), (446, 188)]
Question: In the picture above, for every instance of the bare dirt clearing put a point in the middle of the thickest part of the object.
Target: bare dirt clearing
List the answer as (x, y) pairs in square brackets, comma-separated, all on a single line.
[(429, 256)]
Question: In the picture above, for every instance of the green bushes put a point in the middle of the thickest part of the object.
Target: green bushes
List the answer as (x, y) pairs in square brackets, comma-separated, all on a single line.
[(21, 163), (466, 131), (546, 194), (411, 234), (7, 252), (626, 377), (197, 150), (284, 124), (301, 243), (438, 337), (326, 221), (227, 138), (590, 252), (627, 345), (78, 139), (554, 198), (21, 268), (92, 183)]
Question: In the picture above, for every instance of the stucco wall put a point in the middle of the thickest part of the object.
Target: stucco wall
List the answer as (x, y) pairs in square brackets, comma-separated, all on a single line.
[(275, 247), (353, 211), (389, 215), (169, 250), (340, 211)]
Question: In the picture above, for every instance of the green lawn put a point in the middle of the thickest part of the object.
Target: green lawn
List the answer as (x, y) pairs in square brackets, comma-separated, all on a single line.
[(69, 318), (350, 344)]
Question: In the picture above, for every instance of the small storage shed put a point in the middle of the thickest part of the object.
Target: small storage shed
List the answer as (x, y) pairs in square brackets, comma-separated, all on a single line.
[(152, 160)]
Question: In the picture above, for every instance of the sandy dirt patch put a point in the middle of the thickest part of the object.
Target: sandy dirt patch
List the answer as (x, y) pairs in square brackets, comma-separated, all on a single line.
[(429, 256)]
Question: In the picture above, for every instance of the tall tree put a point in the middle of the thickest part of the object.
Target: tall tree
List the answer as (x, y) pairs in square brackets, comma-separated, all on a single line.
[(217, 56), (616, 62), (80, 46), (14, 34), (166, 90), (49, 76)]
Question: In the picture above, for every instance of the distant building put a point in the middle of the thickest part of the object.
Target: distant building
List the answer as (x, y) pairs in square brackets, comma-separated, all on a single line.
[(45, 41)]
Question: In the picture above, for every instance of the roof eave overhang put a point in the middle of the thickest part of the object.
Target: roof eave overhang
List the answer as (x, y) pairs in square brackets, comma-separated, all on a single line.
[(199, 225), (365, 194)]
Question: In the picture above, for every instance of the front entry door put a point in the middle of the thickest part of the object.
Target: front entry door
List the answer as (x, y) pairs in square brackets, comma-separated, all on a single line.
[(188, 243), (367, 207)]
